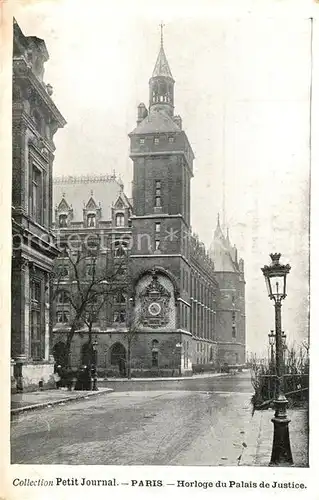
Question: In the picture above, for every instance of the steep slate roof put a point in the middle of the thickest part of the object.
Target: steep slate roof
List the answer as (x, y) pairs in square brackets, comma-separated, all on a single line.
[(221, 252), (161, 66), (78, 191), (157, 121)]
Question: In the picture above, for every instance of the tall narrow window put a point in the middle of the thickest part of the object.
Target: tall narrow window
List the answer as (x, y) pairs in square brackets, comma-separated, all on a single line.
[(63, 220), (119, 220), (119, 316), (234, 332), (37, 211), (233, 316), (91, 220), (155, 353), (62, 316), (155, 359), (36, 323), (157, 244), (158, 194), (63, 297), (157, 227)]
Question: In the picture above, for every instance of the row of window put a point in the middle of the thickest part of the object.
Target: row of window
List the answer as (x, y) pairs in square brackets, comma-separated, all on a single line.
[(63, 316), (91, 220), (156, 140), (63, 271), (63, 298)]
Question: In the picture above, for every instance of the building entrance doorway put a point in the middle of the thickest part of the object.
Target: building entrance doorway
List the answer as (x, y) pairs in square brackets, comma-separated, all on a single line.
[(118, 357), (60, 354)]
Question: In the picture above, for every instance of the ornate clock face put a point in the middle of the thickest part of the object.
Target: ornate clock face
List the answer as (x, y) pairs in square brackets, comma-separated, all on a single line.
[(154, 308)]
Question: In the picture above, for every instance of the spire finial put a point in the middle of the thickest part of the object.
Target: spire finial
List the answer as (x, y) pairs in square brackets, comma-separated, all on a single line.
[(218, 221), (162, 26)]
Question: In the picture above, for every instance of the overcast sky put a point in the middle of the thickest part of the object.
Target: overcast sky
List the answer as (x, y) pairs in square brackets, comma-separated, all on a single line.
[(242, 90)]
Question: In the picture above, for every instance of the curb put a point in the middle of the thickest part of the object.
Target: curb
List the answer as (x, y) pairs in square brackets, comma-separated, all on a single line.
[(249, 454), (38, 406), (163, 379)]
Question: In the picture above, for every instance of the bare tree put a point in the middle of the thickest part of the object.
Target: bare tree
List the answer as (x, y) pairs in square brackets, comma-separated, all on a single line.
[(131, 334), (95, 277)]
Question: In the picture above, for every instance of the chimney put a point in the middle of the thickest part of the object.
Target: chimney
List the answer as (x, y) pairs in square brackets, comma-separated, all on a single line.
[(241, 265), (141, 112)]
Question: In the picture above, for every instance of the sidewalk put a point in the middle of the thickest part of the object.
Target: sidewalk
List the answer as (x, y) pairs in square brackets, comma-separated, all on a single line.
[(39, 399), (155, 379), (259, 445)]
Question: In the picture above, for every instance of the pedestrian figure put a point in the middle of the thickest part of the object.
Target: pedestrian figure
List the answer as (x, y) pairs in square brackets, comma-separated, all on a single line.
[(69, 379), (80, 379), (57, 378), (122, 369)]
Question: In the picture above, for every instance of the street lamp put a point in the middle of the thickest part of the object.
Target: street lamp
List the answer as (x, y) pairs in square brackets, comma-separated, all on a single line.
[(275, 276), (94, 345), (272, 338)]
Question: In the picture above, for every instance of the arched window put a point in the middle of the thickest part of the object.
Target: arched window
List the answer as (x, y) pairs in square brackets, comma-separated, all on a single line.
[(154, 344), (87, 354), (118, 353), (60, 355), (119, 220)]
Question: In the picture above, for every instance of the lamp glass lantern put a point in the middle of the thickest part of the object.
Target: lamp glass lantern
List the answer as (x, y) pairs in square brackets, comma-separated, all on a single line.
[(272, 337), (276, 278)]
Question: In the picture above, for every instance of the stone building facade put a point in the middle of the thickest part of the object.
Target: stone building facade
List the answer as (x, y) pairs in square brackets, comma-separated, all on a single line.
[(188, 304), (35, 120)]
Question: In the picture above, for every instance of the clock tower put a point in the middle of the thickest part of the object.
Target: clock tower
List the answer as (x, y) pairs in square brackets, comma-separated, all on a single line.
[(162, 170)]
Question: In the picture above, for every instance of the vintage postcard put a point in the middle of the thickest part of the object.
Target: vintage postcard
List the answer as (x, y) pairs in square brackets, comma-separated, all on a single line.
[(158, 199)]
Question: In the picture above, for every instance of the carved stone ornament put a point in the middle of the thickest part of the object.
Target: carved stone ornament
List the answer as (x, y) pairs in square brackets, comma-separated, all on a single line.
[(40, 146), (155, 304)]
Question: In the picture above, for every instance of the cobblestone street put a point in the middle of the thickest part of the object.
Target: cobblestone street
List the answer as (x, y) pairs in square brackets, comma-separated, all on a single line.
[(161, 427)]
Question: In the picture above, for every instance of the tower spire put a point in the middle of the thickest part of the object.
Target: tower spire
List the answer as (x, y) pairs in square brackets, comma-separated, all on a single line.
[(162, 82), (162, 42)]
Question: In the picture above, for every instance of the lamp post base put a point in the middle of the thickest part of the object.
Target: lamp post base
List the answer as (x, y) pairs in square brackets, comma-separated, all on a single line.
[(281, 452), (94, 388)]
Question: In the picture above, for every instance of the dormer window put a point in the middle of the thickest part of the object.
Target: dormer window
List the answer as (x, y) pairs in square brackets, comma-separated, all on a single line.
[(119, 220), (171, 139), (91, 220), (142, 140), (156, 140), (63, 220)]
